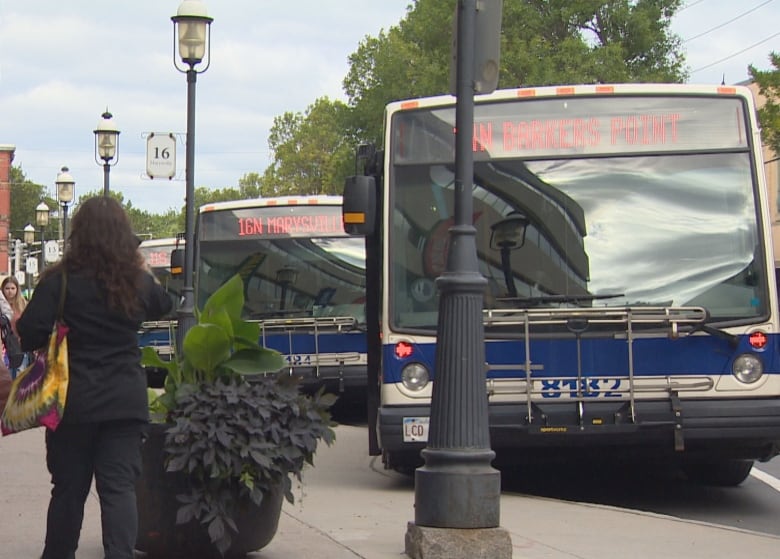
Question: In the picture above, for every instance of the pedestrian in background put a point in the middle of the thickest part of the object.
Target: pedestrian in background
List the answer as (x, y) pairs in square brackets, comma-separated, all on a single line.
[(13, 294), (7, 318), (109, 294)]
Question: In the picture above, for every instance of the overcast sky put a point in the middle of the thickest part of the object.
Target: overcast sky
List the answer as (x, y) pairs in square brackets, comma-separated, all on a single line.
[(62, 62)]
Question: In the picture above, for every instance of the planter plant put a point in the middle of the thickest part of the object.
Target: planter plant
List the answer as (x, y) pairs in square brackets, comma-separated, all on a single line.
[(227, 437)]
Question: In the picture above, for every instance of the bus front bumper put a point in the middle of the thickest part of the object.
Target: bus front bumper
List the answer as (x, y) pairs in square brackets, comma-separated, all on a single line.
[(727, 428)]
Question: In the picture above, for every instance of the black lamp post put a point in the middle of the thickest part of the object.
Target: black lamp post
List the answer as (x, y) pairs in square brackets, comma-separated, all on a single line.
[(106, 146), (192, 26), (457, 487), (65, 190), (29, 239), (42, 219)]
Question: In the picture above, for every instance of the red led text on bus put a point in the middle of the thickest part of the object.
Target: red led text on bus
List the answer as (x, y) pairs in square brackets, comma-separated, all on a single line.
[(158, 258), (571, 133), (290, 225)]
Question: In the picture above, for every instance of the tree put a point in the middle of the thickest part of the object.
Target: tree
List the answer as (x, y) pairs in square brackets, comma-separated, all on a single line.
[(543, 42), (769, 115), (312, 151), (25, 197)]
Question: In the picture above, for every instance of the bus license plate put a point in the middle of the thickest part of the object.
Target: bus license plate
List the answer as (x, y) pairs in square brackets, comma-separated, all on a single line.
[(415, 429)]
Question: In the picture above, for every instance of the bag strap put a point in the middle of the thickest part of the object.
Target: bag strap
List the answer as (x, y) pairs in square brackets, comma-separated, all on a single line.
[(64, 289)]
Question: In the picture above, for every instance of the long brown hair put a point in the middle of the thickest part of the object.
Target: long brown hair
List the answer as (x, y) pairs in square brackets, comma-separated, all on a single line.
[(101, 244), (18, 303)]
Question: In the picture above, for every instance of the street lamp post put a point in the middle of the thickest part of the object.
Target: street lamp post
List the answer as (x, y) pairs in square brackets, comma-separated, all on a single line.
[(42, 219), (106, 146), (29, 239), (65, 189), (192, 26), (457, 487)]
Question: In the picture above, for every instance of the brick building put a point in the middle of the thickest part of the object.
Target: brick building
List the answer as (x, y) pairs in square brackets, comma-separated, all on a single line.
[(6, 158)]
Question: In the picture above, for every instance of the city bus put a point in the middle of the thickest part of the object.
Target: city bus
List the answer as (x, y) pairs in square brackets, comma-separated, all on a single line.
[(304, 281), (159, 333), (624, 236)]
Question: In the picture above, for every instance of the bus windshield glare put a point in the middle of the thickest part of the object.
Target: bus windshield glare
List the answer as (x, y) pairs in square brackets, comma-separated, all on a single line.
[(296, 261), (581, 202)]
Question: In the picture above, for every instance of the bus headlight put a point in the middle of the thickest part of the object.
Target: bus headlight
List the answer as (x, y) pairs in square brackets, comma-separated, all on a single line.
[(415, 376), (747, 368)]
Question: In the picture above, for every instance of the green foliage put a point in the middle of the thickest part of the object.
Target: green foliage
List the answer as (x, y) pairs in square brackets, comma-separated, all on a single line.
[(234, 438), (543, 42), (769, 115), (235, 430), (312, 151), (25, 196)]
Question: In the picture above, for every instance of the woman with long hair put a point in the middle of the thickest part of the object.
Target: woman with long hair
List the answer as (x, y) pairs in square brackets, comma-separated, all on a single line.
[(13, 295), (109, 293)]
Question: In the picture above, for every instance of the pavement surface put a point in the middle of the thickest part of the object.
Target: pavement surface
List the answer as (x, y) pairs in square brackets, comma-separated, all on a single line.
[(349, 507)]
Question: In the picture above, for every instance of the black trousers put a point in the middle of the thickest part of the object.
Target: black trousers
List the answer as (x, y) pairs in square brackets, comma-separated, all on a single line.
[(111, 452)]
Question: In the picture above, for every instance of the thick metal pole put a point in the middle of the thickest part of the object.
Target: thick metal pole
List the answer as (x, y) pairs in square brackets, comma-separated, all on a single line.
[(43, 246), (187, 309), (457, 487), (64, 227), (106, 173)]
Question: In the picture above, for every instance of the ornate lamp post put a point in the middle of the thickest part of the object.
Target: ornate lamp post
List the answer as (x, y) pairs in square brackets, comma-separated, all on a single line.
[(29, 239), (65, 189), (457, 487), (192, 26), (42, 219), (106, 146)]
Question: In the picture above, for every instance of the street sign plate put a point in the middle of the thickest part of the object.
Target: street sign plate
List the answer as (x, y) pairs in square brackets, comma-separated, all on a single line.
[(52, 251), (20, 277), (161, 155), (31, 266)]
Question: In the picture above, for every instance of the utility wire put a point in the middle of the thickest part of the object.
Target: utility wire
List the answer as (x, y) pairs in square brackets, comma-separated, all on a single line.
[(725, 23), (689, 5), (734, 54)]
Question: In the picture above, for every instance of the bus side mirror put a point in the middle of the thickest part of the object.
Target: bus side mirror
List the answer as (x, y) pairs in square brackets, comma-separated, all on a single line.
[(177, 262), (359, 205)]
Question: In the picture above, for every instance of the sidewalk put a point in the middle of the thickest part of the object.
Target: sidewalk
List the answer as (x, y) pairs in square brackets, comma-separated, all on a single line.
[(349, 508)]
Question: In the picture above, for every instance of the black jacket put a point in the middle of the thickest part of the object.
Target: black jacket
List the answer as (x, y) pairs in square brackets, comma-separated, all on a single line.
[(106, 378)]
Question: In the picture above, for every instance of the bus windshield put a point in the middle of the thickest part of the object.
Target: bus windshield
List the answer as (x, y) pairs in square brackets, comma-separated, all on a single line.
[(577, 202), (296, 262), (157, 253)]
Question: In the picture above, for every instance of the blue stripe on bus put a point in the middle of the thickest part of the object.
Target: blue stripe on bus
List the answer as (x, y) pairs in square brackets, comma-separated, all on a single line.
[(695, 355)]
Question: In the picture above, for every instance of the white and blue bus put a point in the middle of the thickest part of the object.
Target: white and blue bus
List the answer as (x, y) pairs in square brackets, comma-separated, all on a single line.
[(304, 282), (159, 333), (630, 302)]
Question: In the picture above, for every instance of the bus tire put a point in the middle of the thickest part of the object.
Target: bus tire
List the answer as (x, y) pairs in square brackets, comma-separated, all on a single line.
[(721, 473)]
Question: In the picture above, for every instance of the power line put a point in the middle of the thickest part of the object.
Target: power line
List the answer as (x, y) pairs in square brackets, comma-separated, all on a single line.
[(725, 23), (734, 54), (689, 5)]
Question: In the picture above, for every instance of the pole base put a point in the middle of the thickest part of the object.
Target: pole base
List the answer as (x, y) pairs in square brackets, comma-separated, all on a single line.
[(423, 542), (457, 489)]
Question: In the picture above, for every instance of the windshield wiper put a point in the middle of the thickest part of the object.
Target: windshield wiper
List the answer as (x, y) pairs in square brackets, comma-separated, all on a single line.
[(718, 333), (576, 299)]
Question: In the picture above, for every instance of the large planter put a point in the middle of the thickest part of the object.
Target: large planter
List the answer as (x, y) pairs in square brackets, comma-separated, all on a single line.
[(158, 534)]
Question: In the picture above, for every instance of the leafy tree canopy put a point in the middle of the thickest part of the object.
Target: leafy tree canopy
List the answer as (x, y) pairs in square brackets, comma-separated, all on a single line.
[(769, 115), (543, 42)]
